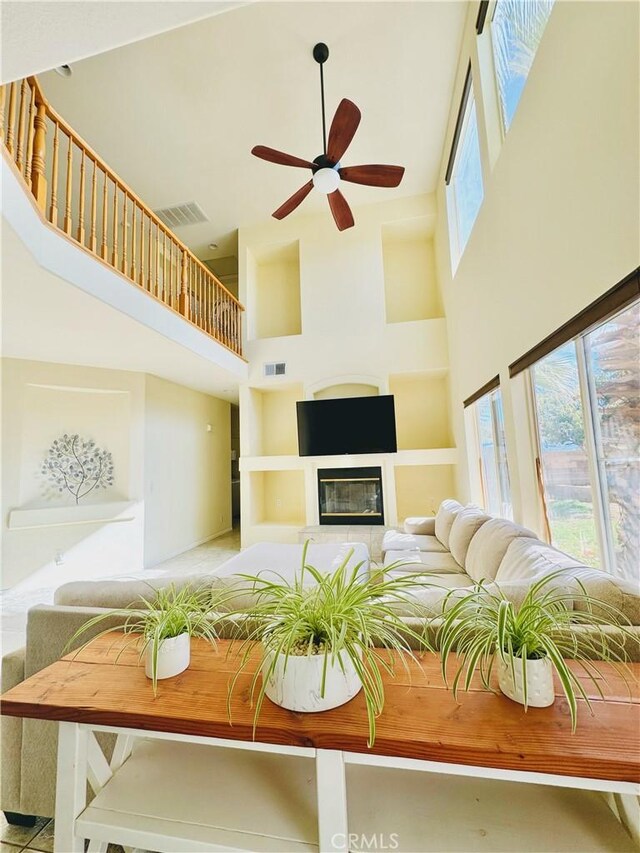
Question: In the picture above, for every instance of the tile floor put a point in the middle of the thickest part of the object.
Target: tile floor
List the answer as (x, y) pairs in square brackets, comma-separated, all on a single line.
[(14, 603), (38, 839)]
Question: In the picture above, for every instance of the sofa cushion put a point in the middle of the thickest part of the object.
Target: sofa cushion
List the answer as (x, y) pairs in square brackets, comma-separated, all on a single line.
[(465, 525), (622, 594), (394, 540), (531, 559), (420, 561), (420, 525), (445, 517), (489, 546)]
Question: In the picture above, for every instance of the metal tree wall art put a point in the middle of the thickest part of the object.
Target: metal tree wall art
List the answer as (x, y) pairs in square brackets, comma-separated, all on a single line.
[(75, 465)]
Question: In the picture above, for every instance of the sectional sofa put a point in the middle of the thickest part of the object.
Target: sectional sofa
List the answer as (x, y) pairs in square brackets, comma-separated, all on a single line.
[(459, 546)]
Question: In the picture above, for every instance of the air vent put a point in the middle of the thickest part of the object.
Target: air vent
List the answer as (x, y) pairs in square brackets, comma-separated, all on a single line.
[(189, 213), (275, 368)]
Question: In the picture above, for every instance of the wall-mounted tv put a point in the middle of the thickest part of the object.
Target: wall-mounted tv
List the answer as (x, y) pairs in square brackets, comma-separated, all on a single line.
[(347, 425)]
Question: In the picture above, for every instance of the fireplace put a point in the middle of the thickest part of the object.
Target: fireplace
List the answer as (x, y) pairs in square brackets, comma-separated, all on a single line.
[(350, 496)]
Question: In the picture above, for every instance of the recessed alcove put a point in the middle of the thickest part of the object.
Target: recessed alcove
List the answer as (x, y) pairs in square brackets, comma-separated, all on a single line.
[(274, 430), (273, 291), (278, 497), (410, 280), (422, 409)]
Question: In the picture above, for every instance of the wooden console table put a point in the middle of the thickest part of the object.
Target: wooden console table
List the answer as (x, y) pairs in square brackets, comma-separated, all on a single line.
[(291, 788)]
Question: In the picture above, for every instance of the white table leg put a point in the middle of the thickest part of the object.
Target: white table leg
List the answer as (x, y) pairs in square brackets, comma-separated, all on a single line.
[(332, 801), (71, 786)]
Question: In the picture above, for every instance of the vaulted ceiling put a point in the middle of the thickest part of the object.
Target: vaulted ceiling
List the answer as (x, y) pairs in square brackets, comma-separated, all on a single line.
[(176, 115)]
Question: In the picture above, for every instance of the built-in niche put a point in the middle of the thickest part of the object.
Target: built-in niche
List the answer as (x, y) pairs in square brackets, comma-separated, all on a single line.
[(273, 420), (410, 280), (420, 489), (422, 409), (51, 412), (273, 291), (278, 497)]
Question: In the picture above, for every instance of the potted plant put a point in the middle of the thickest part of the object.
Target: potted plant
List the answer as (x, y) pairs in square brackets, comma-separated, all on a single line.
[(530, 641), (163, 625), (316, 636)]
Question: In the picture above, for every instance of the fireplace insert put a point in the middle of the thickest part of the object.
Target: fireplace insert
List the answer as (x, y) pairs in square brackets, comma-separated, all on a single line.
[(350, 496)]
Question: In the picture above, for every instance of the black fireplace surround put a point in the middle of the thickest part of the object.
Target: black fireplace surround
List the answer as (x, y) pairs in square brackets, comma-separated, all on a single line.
[(350, 496)]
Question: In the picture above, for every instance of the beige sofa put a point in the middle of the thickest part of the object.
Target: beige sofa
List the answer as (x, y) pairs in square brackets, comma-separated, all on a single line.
[(462, 545), (459, 546)]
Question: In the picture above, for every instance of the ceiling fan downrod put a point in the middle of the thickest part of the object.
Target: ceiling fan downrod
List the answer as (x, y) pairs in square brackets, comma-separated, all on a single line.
[(321, 54)]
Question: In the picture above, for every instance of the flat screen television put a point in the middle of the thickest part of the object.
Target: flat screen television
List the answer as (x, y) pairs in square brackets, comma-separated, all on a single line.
[(347, 425)]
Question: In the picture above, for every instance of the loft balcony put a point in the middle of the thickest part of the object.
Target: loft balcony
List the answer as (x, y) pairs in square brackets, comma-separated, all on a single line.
[(96, 233)]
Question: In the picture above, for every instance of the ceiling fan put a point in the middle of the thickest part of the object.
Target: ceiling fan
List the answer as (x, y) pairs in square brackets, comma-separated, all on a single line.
[(327, 170)]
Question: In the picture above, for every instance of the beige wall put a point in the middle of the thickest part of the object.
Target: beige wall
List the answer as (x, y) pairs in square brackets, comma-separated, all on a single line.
[(40, 402), (410, 282), (559, 223), (187, 483), (420, 489), (276, 285), (279, 421), (422, 410)]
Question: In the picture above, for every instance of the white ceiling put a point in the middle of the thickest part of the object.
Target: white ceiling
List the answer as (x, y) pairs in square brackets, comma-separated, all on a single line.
[(37, 36), (72, 327), (176, 115)]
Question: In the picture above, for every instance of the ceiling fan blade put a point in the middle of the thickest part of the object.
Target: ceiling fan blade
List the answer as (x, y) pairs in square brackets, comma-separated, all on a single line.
[(280, 157), (343, 127), (291, 203), (373, 176), (341, 210)]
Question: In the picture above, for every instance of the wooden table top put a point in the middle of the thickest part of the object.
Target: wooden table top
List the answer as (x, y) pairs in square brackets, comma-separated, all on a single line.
[(420, 720)]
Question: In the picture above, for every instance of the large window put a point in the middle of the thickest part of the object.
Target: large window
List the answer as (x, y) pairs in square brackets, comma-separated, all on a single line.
[(464, 175), (516, 30), (587, 403), (492, 454)]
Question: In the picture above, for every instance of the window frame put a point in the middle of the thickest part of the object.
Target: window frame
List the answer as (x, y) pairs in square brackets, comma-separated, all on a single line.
[(487, 27), (490, 392), (468, 103), (589, 405)]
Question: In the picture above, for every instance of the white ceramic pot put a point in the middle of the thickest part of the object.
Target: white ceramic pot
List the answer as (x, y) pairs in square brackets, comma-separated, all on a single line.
[(174, 655), (298, 686), (540, 691)]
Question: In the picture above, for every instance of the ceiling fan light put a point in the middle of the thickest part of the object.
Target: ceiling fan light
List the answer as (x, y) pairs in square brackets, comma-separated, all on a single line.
[(326, 180)]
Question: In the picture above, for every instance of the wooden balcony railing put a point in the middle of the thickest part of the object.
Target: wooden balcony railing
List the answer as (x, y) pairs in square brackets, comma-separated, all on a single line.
[(85, 200)]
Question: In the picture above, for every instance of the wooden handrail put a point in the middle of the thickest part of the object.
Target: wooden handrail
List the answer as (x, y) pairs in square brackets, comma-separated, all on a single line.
[(101, 213)]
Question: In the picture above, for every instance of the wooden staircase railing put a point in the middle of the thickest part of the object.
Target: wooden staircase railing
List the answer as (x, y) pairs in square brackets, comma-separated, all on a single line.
[(84, 199)]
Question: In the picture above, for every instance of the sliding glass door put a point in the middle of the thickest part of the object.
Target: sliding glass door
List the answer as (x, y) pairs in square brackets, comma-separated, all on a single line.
[(587, 406)]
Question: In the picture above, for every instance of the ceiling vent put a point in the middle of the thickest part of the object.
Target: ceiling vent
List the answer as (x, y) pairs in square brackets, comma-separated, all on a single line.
[(275, 368), (189, 213)]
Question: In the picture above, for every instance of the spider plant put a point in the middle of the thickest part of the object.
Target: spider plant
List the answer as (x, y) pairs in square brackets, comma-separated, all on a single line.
[(483, 624), (340, 616), (168, 613)]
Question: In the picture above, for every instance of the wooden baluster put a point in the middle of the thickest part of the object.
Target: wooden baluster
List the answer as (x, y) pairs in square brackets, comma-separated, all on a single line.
[(226, 317), (53, 209), (199, 280), (114, 252), (21, 121), (30, 134), (105, 223), (171, 300), (81, 200), (38, 178), (150, 275), (11, 120), (208, 303), (157, 261), (124, 232), (133, 241), (165, 297), (67, 201), (141, 248), (3, 100), (93, 235), (183, 301)]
